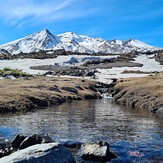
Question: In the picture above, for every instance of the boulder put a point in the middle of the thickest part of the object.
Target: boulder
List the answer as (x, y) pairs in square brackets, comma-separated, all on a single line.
[(35, 139), (47, 139), (72, 61), (97, 151), (21, 141), (5, 149), (72, 145), (90, 73), (17, 141), (41, 153)]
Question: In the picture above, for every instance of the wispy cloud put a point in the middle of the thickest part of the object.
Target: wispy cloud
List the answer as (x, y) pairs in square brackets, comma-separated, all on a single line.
[(20, 12)]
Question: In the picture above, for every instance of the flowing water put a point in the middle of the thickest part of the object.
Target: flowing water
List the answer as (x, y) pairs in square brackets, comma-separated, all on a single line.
[(135, 136)]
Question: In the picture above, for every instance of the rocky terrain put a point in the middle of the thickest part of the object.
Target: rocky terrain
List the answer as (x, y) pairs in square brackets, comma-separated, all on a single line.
[(45, 54), (88, 68), (159, 57), (42, 148), (141, 93), (40, 92)]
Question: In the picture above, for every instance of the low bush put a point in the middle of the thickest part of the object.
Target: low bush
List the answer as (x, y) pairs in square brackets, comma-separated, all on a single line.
[(14, 72)]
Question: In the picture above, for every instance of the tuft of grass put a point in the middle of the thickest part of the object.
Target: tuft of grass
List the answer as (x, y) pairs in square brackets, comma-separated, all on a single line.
[(14, 72), (139, 72)]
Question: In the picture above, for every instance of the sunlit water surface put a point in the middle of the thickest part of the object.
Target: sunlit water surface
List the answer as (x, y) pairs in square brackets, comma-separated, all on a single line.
[(134, 135)]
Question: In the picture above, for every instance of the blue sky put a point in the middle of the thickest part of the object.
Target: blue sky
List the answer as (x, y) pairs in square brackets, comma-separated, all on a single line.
[(109, 19)]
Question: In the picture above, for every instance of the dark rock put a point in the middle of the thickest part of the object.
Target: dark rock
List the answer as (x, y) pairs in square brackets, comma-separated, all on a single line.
[(46, 139), (31, 140), (72, 145), (70, 89), (79, 87), (41, 153), (38, 101), (90, 96), (90, 73), (17, 141), (48, 73), (72, 61), (54, 89), (98, 151), (5, 149), (21, 141)]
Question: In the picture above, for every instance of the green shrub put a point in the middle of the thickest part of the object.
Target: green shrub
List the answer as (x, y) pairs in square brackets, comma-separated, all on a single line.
[(14, 72)]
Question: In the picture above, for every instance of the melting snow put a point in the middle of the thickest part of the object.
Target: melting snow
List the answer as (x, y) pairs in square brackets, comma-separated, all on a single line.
[(103, 75)]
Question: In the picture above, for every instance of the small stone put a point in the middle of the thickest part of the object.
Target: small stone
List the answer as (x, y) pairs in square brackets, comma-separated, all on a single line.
[(98, 151)]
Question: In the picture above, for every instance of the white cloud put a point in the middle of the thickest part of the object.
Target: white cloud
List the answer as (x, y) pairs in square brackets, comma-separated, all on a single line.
[(20, 12)]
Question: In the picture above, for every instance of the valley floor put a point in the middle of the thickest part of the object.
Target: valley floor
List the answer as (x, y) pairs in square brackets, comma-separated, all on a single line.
[(21, 94)]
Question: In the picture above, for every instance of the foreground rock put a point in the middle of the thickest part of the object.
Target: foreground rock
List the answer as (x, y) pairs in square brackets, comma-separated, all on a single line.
[(40, 92), (42, 148), (5, 149), (41, 153), (98, 151), (141, 93), (21, 141)]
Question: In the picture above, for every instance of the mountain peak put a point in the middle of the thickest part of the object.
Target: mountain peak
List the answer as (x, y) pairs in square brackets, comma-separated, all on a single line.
[(71, 41), (44, 32)]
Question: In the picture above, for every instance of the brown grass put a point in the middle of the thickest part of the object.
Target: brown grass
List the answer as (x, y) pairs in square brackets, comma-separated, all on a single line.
[(139, 72), (143, 93), (37, 92)]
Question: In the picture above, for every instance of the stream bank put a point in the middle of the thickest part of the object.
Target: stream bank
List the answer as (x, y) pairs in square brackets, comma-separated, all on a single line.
[(141, 93), (26, 94)]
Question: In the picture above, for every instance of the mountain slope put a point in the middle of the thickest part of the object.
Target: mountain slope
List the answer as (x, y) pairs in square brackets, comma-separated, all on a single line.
[(42, 40), (71, 41), (3, 51)]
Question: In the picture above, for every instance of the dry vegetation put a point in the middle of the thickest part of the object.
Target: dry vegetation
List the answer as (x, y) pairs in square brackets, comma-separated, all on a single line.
[(37, 92), (139, 72), (142, 93)]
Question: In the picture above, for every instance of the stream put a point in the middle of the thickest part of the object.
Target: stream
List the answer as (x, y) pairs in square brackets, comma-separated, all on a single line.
[(135, 136)]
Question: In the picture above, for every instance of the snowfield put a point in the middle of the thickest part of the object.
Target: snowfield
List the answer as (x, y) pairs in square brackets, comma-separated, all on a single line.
[(103, 75), (25, 64), (149, 65)]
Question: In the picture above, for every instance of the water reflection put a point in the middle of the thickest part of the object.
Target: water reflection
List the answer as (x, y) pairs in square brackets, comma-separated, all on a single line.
[(125, 129)]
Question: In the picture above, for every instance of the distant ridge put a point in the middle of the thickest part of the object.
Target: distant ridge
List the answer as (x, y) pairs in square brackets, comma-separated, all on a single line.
[(70, 41)]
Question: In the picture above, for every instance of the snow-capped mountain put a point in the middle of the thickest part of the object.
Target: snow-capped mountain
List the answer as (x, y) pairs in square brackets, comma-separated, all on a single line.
[(70, 41)]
